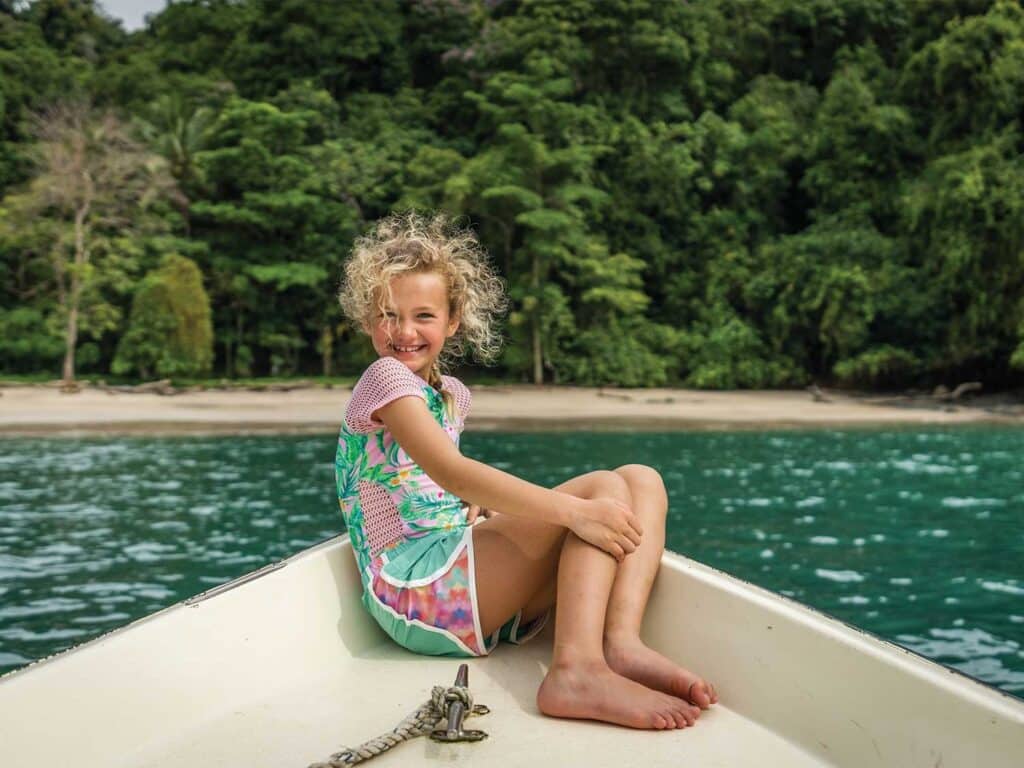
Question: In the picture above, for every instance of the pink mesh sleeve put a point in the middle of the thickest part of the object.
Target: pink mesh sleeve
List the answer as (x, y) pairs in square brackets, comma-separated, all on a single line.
[(382, 522), (385, 380), (463, 397)]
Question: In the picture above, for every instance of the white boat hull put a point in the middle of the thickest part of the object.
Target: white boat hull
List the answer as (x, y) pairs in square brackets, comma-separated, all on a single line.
[(284, 667)]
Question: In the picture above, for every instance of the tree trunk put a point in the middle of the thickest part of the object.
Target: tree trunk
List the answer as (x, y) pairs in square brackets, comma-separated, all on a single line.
[(71, 338), (538, 362), (238, 343), (327, 350), (75, 293)]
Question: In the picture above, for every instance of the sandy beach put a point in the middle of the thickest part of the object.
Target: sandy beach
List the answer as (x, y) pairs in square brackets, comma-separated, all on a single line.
[(45, 410)]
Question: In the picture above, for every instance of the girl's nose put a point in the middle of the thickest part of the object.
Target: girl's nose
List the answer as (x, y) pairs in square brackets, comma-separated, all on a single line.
[(406, 329)]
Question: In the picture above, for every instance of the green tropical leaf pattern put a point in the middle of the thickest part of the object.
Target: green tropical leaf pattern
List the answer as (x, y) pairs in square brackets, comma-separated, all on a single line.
[(377, 458)]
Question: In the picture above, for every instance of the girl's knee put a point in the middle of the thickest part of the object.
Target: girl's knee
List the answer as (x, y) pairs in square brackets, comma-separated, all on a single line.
[(609, 483), (642, 477)]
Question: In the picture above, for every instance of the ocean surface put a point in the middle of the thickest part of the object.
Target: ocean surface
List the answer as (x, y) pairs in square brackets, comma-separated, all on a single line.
[(916, 536)]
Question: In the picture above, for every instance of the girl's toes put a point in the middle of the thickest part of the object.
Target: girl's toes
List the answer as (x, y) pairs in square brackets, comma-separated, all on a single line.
[(712, 694), (699, 694), (693, 713), (679, 719)]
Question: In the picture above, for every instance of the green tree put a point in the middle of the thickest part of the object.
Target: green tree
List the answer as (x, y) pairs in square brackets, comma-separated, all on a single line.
[(970, 81), (965, 215), (178, 130), (274, 229), (31, 74), (169, 332)]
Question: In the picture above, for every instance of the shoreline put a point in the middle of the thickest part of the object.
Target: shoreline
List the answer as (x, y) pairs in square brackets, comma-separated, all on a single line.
[(34, 411)]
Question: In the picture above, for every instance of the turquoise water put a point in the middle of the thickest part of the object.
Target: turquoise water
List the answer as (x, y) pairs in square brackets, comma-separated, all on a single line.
[(917, 536)]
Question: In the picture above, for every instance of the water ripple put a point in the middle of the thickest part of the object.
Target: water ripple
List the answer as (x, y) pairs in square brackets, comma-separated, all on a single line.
[(842, 577)]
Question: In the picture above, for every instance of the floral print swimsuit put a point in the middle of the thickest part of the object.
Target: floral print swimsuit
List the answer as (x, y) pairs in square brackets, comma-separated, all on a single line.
[(410, 537)]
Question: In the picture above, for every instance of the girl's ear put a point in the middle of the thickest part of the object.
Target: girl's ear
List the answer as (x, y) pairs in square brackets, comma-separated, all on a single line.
[(453, 326)]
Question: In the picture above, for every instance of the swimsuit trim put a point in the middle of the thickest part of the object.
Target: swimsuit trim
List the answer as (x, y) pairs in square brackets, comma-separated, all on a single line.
[(515, 623), (417, 623), (424, 581), (539, 623), (485, 647)]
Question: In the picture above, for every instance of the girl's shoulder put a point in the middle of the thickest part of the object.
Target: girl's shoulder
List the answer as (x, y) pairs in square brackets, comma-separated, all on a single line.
[(385, 370), (463, 397), (384, 380)]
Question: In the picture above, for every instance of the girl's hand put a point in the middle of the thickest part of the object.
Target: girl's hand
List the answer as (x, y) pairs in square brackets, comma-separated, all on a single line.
[(476, 511), (609, 525)]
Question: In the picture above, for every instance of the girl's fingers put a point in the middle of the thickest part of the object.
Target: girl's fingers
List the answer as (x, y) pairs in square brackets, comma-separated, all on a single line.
[(632, 519), (472, 514), (627, 545)]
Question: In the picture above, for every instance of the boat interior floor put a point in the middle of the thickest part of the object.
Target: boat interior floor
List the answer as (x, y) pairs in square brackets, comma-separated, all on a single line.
[(367, 695)]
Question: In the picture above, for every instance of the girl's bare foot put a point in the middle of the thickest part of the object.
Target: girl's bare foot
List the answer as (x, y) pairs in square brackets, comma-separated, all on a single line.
[(592, 691), (632, 659)]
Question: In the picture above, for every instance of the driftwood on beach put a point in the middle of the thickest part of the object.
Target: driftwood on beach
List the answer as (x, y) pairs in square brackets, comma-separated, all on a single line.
[(161, 387), (941, 393)]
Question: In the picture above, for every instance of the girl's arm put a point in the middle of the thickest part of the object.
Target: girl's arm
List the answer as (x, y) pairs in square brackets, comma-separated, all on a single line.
[(606, 523)]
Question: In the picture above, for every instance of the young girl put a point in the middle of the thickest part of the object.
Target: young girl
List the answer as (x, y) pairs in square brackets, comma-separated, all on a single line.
[(437, 583)]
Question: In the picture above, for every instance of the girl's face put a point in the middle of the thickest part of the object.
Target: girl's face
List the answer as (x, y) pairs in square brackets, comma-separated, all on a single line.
[(415, 328)]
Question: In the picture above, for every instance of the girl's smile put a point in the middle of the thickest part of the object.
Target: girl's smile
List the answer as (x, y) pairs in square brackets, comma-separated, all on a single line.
[(416, 326)]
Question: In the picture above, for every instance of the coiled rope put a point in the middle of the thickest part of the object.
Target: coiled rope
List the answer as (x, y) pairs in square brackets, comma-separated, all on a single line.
[(421, 721)]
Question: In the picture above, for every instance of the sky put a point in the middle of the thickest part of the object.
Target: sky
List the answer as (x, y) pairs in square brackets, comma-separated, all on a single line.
[(131, 12)]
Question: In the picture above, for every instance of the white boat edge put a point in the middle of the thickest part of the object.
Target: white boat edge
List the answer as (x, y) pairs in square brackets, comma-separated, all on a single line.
[(836, 693)]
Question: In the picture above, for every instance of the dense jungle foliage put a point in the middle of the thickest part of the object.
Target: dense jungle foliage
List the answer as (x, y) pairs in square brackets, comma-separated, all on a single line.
[(717, 193)]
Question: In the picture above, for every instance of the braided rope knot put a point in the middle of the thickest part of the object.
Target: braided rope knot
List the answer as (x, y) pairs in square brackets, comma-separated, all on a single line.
[(441, 697), (422, 720)]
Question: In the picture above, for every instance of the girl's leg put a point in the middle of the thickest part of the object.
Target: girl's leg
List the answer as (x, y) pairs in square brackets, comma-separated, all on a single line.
[(579, 682), (542, 602), (625, 652), (513, 560), (516, 560)]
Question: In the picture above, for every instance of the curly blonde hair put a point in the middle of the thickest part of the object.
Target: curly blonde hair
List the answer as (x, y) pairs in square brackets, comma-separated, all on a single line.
[(405, 243)]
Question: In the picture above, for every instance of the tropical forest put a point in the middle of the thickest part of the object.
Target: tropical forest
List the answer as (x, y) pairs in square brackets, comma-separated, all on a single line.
[(716, 194)]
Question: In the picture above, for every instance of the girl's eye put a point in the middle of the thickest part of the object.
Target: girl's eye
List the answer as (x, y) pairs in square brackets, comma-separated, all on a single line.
[(392, 316)]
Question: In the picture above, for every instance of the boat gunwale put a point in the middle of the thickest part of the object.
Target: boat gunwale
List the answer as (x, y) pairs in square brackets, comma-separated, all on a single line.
[(833, 627), (810, 618), (188, 602)]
